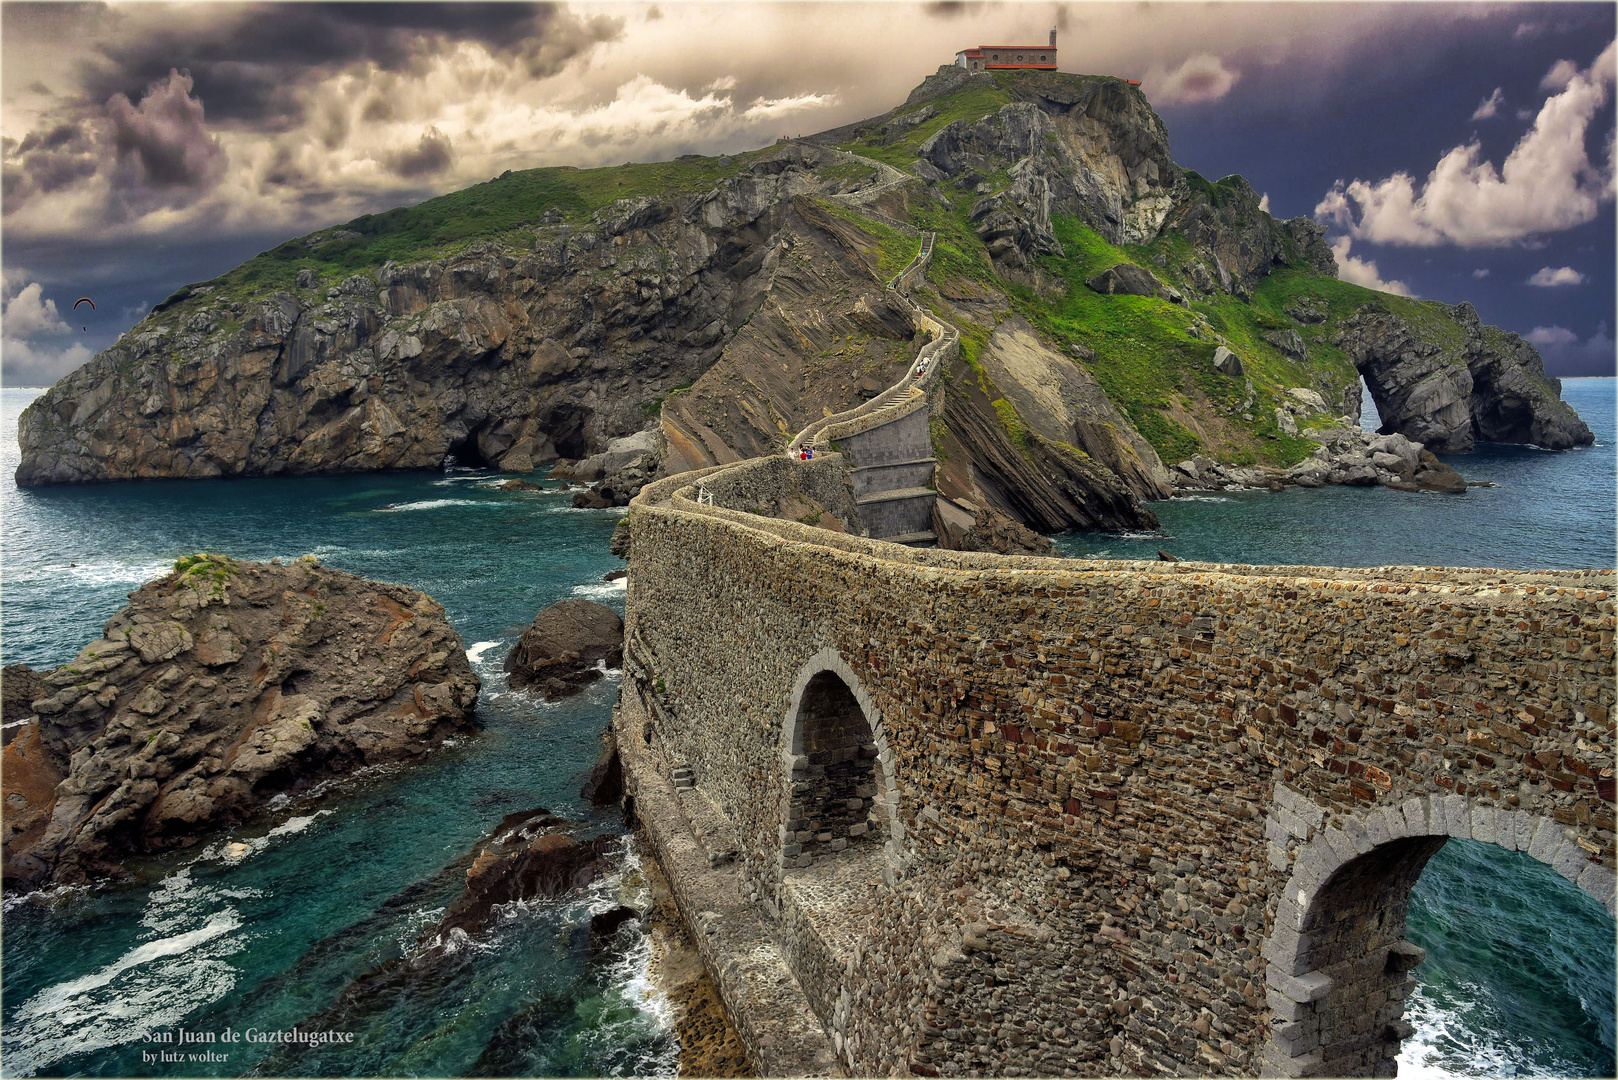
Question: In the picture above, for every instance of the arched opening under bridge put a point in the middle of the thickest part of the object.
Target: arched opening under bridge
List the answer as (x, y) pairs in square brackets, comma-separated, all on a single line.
[(1340, 966), (838, 786)]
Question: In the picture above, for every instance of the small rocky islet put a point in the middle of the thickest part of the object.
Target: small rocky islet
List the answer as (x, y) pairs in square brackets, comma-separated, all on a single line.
[(221, 686)]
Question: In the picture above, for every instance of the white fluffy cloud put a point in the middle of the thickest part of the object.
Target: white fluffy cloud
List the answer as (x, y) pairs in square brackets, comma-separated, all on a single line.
[(29, 314), (1202, 77), (25, 361), (1546, 277), (1546, 184), (1481, 273), (1565, 354), (1490, 105), (27, 364), (1357, 271)]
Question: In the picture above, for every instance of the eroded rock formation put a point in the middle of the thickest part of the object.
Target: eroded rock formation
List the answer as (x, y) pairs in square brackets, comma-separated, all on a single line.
[(560, 650), (1448, 392), (219, 687)]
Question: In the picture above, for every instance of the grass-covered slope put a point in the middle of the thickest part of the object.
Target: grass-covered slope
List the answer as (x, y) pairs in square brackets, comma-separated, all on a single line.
[(503, 210), (997, 142)]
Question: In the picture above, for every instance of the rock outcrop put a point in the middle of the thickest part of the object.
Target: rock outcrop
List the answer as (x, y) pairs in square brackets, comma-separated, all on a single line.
[(1345, 456), (1127, 279), (1450, 391), (560, 651), (508, 356), (530, 855), (964, 526), (219, 687), (525, 857)]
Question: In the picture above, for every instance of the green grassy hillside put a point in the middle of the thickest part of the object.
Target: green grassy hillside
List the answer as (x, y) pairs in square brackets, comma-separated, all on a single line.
[(503, 210)]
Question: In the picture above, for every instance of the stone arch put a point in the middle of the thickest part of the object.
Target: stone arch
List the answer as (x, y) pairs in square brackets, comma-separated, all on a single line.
[(1339, 968), (834, 751)]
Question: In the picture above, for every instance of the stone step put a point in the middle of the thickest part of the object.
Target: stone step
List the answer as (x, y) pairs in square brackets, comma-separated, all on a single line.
[(915, 539), (896, 494), (896, 464)]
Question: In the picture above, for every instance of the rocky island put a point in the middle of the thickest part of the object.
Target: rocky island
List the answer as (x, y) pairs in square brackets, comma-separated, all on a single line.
[(221, 687), (1118, 314)]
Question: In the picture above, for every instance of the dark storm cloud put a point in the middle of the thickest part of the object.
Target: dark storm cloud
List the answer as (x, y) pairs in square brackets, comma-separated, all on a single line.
[(48, 160), (951, 9), (248, 62), (164, 137), (433, 154)]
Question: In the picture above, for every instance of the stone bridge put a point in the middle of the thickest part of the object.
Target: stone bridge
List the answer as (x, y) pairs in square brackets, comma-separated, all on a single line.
[(941, 813), (1008, 815)]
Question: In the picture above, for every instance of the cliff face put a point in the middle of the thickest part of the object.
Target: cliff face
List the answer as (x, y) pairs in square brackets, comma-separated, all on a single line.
[(722, 304), (1449, 390), (498, 355)]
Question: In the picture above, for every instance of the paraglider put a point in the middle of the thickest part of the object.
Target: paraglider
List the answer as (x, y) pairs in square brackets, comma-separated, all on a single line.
[(84, 300)]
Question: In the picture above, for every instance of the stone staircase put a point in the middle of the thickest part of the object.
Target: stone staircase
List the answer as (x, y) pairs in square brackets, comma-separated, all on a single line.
[(892, 466), (888, 440)]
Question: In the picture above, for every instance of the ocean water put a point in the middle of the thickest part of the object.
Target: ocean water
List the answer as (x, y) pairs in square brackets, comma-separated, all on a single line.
[(340, 883), (337, 884), (1547, 511)]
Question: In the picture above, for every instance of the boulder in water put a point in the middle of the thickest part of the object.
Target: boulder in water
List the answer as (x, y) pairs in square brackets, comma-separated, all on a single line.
[(523, 861), (560, 650), (606, 783)]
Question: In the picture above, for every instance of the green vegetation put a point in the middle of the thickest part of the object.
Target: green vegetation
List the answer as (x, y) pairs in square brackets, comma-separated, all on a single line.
[(1013, 425), (203, 565), (958, 254), (1155, 370), (894, 250), (655, 406), (503, 210), (971, 104)]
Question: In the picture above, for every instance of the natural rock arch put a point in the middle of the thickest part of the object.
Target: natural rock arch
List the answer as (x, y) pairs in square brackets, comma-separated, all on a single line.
[(834, 751), (1339, 967)]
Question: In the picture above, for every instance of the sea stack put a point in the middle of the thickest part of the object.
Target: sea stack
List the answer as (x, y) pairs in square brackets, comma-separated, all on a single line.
[(219, 687)]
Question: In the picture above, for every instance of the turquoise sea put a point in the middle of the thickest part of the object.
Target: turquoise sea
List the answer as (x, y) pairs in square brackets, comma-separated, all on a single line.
[(1520, 971)]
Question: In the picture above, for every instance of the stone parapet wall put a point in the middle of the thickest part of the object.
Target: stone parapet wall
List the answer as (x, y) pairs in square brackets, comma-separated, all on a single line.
[(759, 488), (1089, 861)]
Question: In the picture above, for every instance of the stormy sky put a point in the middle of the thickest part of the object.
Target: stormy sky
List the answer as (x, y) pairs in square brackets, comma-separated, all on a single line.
[(1455, 151)]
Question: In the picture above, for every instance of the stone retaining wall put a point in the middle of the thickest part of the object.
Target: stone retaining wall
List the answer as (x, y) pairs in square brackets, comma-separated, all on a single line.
[(1129, 801)]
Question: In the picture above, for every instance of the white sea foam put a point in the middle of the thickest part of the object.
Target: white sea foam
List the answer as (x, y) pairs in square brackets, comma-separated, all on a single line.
[(1201, 498), (151, 986), (1437, 1037), (602, 589), (56, 894), (255, 844), (127, 572), (431, 504), (474, 655), (628, 974)]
